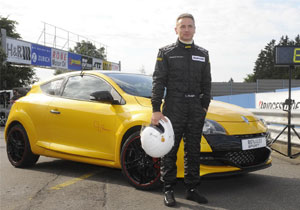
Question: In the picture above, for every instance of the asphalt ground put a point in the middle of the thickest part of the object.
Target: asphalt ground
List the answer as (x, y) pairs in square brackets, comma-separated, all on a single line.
[(59, 184)]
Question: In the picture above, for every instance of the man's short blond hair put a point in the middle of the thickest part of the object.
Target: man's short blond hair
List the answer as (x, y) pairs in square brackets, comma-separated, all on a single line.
[(185, 15)]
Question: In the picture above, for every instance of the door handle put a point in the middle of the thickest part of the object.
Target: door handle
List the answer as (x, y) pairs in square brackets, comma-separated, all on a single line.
[(54, 111)]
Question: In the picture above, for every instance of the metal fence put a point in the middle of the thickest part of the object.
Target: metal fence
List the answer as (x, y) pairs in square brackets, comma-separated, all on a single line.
[(263, 85), (276, 120)]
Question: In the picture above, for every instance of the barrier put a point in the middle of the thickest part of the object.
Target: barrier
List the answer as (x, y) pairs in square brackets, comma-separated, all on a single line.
[(277, 120)]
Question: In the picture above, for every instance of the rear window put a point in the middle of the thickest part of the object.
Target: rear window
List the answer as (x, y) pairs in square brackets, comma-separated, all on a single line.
[(53, 87)]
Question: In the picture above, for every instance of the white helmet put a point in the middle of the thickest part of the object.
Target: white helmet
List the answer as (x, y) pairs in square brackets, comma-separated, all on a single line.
[(157, 141)]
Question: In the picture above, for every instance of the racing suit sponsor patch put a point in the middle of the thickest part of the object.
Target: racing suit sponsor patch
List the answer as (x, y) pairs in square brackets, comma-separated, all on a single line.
[(198, 58), (176, 56)]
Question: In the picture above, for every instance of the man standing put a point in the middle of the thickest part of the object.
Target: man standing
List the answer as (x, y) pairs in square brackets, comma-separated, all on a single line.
[(183, 69)]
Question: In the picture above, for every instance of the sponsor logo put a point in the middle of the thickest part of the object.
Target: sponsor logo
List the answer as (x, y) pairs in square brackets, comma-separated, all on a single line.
[(87, 63), (34, 57), (245, 119), (74, 62), (59, 58), (41, 55), (176, 56), (20, 52), (198, 58), (98, 65), (277, 105)]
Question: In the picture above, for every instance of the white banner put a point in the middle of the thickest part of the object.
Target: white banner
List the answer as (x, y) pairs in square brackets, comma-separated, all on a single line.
[(59, 58), (115, 67), (18, 51), (275, 100), (97, 64)]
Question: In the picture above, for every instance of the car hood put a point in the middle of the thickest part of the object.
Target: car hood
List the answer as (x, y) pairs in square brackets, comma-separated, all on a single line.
[(224, 112), (218, 111), (143, 101)]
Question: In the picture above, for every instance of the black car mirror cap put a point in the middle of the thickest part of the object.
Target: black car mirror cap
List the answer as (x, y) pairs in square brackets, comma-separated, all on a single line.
[(103, 96)]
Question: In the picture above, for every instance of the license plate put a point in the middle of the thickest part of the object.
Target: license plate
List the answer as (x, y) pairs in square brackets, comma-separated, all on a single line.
[(253, 143)]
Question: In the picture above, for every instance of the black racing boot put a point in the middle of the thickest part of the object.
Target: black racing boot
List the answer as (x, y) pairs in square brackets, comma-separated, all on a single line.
[(169, 199), (194, 195)]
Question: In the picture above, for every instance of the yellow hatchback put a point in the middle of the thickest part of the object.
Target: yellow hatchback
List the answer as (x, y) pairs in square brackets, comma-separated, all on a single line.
[(96, 117)]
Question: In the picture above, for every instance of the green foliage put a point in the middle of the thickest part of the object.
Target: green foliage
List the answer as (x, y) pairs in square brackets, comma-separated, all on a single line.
[(61, 71), (89, 49), (13, 76), (264, 65), (10, 26)]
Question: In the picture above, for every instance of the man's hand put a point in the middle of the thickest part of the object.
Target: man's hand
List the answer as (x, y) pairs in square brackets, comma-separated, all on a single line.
[(156, 117), (205, 109)]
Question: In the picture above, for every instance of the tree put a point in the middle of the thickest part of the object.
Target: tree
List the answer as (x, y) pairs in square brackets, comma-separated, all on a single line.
[(13, 76), (89, 49), (59, 71), (264, 65), (10, 26)]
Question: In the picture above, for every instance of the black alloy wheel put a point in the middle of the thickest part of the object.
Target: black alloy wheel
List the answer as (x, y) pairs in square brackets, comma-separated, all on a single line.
[(140, 170), (18, 148)]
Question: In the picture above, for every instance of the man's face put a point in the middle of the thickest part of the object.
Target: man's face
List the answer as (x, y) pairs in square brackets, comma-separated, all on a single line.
[(185, 29)]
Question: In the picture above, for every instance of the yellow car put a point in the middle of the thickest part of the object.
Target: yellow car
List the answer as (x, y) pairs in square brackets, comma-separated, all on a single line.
[(95, 117)]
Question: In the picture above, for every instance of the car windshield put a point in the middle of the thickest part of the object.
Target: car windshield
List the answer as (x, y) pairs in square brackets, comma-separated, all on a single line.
[(133, 84)]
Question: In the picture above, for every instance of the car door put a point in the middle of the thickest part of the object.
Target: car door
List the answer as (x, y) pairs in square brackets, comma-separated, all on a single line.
[(80, 126), (37, 105)]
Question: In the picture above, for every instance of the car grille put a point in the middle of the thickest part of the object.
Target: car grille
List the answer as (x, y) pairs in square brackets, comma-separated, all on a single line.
[(240, 159), (249, 136)]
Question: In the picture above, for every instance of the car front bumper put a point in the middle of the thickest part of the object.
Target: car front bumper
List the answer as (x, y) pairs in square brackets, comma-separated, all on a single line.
[(227, 156)]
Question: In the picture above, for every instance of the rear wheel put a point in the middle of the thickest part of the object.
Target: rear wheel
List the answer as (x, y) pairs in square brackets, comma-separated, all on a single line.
[(18, 148), (141, 170)]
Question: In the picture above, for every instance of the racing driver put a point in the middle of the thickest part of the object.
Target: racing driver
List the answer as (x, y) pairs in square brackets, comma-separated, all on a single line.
[(183, 70)]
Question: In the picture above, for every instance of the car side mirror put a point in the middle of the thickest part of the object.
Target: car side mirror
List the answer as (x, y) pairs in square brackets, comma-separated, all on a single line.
[(102, 96)]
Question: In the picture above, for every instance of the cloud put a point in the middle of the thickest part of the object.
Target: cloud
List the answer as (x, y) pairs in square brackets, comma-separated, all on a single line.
[(233, 31)]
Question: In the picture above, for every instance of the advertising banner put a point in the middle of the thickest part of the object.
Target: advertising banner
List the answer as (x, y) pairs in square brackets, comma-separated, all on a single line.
[(87, 63), (115, 67), (59, 59), (74, 61), (97, 64), (40, 55), (18, 51), (106, 65), (22, 52), (276, 100)]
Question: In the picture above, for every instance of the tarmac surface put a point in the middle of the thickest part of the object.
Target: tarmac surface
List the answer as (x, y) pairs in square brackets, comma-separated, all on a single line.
[(59, 184)]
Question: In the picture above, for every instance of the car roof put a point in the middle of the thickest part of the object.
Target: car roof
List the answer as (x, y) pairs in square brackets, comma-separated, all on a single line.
[(103, 72)]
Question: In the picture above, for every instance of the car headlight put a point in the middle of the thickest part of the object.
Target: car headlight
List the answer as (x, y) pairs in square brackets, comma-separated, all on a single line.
[(212, 127), (263, 122), (268, 134)]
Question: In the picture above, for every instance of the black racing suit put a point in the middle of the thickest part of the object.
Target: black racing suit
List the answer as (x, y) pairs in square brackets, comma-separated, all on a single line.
[(184, 71)]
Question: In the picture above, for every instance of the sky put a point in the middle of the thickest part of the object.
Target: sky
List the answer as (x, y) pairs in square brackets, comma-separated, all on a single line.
[(233, 31)]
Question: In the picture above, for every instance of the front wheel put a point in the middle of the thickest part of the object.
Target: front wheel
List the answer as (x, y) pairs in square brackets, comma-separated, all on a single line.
[(141, 170), (2, 119), (18, 148)]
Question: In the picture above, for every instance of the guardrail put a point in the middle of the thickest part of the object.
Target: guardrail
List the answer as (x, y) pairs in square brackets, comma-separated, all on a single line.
[(277, 120)]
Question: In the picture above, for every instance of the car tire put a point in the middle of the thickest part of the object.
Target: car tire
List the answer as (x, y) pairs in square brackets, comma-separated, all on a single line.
[(18, 148), (2, 119), (140, 170)]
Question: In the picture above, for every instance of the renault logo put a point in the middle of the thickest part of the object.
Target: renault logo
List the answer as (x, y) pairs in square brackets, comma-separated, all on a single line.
[(245, 119)]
